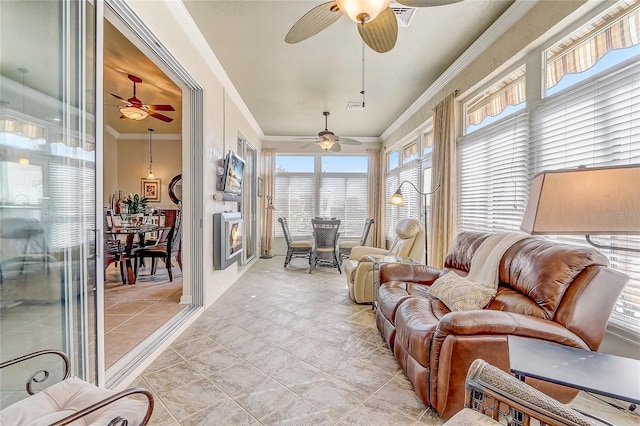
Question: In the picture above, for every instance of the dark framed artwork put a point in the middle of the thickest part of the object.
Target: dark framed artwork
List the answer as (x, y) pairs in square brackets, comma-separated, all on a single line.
[(151, 189)]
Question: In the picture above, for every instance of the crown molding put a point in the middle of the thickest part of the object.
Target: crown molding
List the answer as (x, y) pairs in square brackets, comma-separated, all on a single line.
[(138, 136), (364, 139), (517, 10), (188, 25)]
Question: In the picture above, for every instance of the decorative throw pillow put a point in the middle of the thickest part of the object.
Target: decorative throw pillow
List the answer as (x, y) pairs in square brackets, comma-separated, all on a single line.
[(461, 294)]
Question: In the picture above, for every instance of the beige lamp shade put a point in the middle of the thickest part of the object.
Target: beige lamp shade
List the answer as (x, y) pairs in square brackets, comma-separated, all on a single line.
[(603, 200)]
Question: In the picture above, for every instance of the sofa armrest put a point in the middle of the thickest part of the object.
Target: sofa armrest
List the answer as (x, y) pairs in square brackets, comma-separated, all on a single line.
[(420, 274), (358, 251), (492, 322)]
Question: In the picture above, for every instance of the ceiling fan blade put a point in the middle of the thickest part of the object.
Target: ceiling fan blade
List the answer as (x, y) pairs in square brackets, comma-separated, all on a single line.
[(349, 141), (309, 144), (336, 147), (119, 97), (426, 3), (381, 33), (160, 116), (314, 21), (315, 139), (160, 108), (122, 116)]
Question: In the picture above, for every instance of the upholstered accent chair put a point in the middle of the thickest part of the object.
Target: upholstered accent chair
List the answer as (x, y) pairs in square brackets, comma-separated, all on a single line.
[(359, 267)]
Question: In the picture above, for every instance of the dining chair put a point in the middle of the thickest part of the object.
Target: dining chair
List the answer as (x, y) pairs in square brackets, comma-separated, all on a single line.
[(325, 234), (295, 248), (163, 252), (344, 247)]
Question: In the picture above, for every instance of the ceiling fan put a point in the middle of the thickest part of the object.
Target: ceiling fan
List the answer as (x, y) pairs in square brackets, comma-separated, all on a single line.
[(328, 140), (377, 23), (134, 109)]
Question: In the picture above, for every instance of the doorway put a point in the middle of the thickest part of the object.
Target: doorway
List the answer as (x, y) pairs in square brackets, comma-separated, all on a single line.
[(170, 143)]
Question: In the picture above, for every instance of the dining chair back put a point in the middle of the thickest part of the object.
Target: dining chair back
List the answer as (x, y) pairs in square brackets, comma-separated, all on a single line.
[(295, 248), (163, 252), (325, 234), (344, 247), (113, 248)]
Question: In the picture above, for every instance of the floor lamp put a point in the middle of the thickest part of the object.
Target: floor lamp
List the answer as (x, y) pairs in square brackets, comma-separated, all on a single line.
[(270, 209), (398, 200)]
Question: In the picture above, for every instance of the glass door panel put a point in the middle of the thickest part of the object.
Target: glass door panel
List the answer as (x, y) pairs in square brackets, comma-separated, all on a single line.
[(47, 184)]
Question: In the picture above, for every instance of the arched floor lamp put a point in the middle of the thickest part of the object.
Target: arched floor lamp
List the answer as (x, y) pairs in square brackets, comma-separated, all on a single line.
[(398, 200)]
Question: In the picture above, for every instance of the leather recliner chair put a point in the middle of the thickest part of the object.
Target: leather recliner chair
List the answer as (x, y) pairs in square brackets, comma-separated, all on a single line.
[(359, 267)]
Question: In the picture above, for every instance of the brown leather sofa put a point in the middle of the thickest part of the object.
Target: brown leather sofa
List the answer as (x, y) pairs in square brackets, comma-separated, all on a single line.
[(547, 291)]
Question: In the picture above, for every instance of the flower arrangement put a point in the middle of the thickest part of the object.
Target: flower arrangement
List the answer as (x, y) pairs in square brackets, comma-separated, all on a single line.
[(136, 203)]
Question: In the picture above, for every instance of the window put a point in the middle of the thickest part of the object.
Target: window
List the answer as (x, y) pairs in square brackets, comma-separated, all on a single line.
[(409, 152), (503, 98), (411, 207), (607, 41), (295, 196), (493, 176), (593, 122), (393, 160), (596, 124), (326, 186)]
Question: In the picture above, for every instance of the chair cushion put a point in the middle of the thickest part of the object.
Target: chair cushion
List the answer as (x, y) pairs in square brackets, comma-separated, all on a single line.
[(67, 397), (301, 244)]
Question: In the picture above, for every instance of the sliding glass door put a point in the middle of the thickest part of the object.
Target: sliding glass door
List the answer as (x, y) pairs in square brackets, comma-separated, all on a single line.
[(47, 183)]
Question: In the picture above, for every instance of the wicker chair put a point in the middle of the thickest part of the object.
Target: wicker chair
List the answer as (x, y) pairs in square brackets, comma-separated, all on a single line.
[(344, 247), (295, 248), (493, 397), (325, 234), (72, 399)]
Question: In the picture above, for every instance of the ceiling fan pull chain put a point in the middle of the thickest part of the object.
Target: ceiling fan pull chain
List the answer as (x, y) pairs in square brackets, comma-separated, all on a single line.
[(362, 91)]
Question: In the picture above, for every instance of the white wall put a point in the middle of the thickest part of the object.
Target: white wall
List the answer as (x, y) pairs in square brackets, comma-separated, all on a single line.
[(222, 121)]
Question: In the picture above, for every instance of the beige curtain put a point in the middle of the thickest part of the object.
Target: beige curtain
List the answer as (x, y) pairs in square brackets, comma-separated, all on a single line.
[(375, 197), (443, 172), (268, 190)]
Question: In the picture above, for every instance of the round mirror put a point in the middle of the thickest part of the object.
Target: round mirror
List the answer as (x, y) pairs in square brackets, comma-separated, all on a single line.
[(175, 189)]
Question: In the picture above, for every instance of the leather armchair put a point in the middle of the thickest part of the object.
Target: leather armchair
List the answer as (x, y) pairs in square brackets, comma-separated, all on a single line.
[(359, 268)]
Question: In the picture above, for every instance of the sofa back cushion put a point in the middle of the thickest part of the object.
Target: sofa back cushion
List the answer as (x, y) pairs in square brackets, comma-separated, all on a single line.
[(543, 270), (462, 250)]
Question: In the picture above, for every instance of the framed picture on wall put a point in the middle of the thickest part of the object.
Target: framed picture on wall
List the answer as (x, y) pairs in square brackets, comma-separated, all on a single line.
[(151, 189)]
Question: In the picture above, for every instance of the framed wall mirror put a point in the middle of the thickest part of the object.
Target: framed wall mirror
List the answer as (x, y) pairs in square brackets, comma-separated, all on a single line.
[(175, 189)]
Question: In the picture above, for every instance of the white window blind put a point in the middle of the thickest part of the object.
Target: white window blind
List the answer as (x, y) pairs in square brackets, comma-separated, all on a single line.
[(295, 200), (493, 176), (72, 203), (411, 208), (596, 124), (345, 197)]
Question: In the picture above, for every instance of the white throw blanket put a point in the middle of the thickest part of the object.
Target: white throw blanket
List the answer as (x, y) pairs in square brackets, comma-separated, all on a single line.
[(485, 262), (477, 289)]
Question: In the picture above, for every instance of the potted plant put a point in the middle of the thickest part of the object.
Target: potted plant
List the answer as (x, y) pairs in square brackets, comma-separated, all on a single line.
[(136, 204)]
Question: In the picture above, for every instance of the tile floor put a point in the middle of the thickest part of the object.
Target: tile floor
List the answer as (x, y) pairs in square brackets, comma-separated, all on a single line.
[(284, 347), (133, 312)]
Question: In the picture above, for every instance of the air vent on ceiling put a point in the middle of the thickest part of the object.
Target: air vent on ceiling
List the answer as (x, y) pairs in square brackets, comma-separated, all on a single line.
[(354, 106), (404, 14)]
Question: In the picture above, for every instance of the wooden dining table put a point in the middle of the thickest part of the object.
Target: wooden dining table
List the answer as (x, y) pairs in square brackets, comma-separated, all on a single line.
[(131, 231)]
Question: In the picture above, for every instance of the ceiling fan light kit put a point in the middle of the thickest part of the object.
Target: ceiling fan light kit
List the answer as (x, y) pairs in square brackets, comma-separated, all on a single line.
[(362, 11), (134, 113)]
